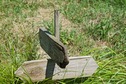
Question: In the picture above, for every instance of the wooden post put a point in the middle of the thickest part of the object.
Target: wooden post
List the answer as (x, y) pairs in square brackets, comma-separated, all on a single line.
[(56, 24)]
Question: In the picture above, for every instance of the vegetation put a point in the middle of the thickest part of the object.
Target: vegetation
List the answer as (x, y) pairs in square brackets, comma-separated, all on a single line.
[(100, 31)]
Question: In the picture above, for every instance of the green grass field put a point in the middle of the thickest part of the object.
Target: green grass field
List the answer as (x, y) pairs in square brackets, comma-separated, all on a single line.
[(96, 27)]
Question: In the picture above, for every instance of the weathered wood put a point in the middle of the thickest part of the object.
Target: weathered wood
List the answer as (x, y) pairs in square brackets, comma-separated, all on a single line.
[(37, 70), (53, 47), (56, 24)]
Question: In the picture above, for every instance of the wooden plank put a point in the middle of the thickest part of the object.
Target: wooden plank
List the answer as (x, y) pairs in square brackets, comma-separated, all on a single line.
[(56, 24), (37, 70), (53, 47)]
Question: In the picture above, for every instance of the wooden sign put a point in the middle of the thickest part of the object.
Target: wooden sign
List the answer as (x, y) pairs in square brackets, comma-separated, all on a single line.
[(53, 47), (38, 70), (55, 68)]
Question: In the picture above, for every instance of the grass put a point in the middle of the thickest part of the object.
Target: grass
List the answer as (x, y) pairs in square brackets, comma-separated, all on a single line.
[(100, 31)]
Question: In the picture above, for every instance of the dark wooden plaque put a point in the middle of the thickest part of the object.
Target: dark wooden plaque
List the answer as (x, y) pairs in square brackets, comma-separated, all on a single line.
[(53, 47)]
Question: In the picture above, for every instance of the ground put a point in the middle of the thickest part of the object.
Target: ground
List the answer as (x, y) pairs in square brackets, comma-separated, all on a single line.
[(88, 27)]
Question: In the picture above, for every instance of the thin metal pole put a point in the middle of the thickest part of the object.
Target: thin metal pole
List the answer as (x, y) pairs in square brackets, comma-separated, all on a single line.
[(56, 24)]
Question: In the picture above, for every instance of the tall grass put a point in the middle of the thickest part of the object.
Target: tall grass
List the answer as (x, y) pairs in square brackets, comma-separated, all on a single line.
[(100, 32)]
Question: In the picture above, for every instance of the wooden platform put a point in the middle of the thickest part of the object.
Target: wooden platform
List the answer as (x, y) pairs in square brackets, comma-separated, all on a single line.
[(38, 70)]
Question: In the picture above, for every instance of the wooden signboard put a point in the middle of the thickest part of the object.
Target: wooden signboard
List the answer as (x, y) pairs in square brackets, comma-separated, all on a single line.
[(53, 47), (38, 70), (58, 67)]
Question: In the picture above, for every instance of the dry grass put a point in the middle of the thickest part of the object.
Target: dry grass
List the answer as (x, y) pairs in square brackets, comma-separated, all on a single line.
[(87, 27)]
